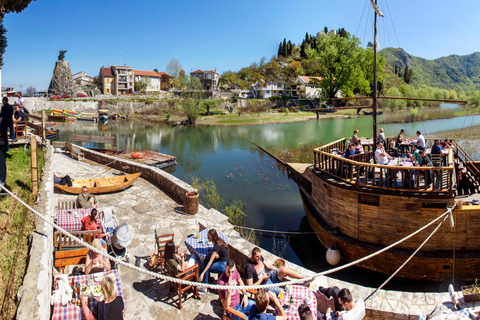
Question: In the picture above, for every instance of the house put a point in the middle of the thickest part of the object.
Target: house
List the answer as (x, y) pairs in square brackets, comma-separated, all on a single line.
[(265, 90), (166, 81), (107, 80), (155, 79), (82, 78), (308, 87), (210, 79), (291, 90)]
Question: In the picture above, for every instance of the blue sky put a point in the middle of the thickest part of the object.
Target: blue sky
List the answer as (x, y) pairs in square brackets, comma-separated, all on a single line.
[(208, 34)]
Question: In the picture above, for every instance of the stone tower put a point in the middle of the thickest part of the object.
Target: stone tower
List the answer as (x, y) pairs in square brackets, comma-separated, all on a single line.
[(61, 82)]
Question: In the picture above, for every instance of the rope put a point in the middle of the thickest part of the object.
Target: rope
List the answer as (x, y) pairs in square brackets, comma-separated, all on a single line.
[(282, 232), (49, 221), (409, 258)]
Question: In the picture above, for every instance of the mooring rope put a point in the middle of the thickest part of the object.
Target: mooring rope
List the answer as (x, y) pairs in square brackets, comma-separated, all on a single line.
[(49, 221)]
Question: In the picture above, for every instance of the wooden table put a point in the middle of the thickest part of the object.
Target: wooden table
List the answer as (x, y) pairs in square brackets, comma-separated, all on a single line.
[(200, 247)]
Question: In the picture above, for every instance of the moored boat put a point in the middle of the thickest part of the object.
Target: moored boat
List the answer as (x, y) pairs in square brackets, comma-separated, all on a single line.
[(148, 157), (101, 185)]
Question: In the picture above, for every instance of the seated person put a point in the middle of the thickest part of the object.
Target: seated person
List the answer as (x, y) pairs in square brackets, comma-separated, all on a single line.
[(62, 180), (350, 151), (87, 200), (256, 273), (96, 262), (262, 299), (112, 307), (436, 149), (231, 298), (426, 162), (400, 138), (326, 297), (218, 258), (452, 314), (381, 136), (19, 115), (358, 148), (90, 223), (304, 312), (355, 136), (415, 156), (354, 310), (445, 143), (381, 155), (176, 262)]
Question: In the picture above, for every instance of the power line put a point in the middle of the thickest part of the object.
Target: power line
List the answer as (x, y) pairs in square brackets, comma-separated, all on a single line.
[(393, 25)]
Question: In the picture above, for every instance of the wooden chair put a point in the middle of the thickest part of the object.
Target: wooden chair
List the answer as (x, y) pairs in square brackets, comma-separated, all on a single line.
[(21, 129), (227, 312), (190, 274), (70, 257), (61, 241), (436, 159), (161, 241)]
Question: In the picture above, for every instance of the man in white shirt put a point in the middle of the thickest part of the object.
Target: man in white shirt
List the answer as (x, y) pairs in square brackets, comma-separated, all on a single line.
[(381, 155), (21, 101), (353, 310), (420, 141)]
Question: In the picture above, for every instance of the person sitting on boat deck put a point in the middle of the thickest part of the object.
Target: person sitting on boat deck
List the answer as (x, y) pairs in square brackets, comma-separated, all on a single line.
[(19, 115), (87, 200), (460, 313), (355, 136), (400, 138), (262, 300), (436, 149), (460, 305), (231, 298), (426, 162), (381, 136), (420, 141), (217, 260), (415, 154), (90, 223), (354, 310), (112, 306), (62, 180), (256, 273), (304, 312), (445, 143), (176, 262), (350, 151), (96, 262), (358, 148), (381, 155)]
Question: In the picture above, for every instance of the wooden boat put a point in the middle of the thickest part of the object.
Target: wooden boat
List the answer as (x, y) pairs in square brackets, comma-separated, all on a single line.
[(49, 134), (369, 113), (101, 185), (91, 119), (148, 157)]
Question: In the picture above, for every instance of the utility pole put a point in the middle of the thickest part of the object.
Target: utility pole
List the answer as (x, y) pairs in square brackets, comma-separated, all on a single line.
[(375, 81)]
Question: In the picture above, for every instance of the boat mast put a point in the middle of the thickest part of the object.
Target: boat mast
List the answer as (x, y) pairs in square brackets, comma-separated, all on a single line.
[(374, 94)]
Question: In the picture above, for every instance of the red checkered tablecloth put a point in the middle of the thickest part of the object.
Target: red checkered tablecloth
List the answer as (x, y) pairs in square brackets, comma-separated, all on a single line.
[(299, 294), (68, 220), (71, 311)]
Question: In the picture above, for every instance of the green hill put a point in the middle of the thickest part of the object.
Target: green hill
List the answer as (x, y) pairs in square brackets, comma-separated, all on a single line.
[(452, 72)]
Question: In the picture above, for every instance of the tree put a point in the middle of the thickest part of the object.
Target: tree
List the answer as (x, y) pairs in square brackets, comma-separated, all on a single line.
[(173, 67), (192, 109), (284, 47), (155, 70), (142, 84), (325, 30), (3, 42), (31, 91), (209, 104), (407, 75)]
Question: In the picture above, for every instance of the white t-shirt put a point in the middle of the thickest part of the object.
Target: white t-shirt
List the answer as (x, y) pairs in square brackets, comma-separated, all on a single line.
[(421, 141), (381, 159), (356, 313)]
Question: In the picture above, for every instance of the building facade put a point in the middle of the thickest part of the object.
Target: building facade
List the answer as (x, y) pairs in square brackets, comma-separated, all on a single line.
[(123, 80), (107, 80), (210, 79), (265, 90), (166, 81), (82, 78), (308, 87), (155, 80)]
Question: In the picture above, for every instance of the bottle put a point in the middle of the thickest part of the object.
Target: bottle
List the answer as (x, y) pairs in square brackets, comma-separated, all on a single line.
[(156, 239), (398, 161), (291, 300)]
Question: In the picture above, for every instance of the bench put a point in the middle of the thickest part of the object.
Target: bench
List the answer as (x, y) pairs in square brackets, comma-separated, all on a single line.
[(71, 257), (60, 241)]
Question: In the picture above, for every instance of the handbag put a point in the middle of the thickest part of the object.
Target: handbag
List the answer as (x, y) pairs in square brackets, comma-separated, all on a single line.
[(154, 257)]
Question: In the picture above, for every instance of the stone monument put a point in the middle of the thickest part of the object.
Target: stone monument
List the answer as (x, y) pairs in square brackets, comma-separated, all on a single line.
[(61, 83)]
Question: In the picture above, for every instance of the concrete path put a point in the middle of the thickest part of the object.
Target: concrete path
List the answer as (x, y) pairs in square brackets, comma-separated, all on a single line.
[(144, 208)]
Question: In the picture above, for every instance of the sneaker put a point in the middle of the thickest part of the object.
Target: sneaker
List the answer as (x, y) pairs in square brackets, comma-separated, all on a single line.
[(306, 283), (202, 290), (14, 140), (451, 291)]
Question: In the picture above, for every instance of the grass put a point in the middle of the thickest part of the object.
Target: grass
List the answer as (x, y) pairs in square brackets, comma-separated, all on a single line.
[(13, 263), (468, 138)]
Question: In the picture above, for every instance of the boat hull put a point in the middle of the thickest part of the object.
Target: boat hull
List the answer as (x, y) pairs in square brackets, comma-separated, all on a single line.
[(359, 229), (101, 185)]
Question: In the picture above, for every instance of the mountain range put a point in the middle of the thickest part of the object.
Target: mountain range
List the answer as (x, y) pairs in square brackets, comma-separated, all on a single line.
[(452, 72)]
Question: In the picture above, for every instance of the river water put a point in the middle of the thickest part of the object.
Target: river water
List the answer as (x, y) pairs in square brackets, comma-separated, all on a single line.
[(241, 171)]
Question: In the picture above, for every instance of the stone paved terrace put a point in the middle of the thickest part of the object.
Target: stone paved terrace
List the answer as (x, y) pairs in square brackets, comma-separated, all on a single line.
[(145, 208)]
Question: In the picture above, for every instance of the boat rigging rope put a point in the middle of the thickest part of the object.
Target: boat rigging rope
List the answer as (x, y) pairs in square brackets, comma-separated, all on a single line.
[(49, 221), (409, 258)]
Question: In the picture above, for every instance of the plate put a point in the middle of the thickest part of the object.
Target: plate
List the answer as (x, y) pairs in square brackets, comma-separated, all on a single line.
[(85, 291), (308, 300), (98, 278), (97, 291)]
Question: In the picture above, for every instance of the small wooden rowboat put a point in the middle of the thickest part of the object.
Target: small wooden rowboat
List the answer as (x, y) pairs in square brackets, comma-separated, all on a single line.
[(101, 185)]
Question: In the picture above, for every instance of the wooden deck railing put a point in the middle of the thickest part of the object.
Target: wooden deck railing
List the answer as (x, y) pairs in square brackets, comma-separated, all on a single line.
[(364, 174)]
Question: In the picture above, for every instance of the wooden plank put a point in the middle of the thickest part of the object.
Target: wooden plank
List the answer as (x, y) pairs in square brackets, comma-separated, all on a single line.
[(34, 164), (87, 138), (34, 126)]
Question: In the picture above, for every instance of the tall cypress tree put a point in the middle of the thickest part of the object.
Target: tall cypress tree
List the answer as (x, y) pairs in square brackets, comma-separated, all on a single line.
[(280, 50), (284, 51), (307, 38), (289, 48), (406, 75)]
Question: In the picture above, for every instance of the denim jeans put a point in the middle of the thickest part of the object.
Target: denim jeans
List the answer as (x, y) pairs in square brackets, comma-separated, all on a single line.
[(243, 310), (216, 267), (274, 278)]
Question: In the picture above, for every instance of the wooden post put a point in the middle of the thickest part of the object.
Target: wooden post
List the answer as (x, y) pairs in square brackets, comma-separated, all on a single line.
[(33, 150), (44, 138)]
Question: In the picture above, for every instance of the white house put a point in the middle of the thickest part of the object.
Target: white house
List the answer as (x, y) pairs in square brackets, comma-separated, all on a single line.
[(307, 87), (265, 90), (155, 79), (82, 78)]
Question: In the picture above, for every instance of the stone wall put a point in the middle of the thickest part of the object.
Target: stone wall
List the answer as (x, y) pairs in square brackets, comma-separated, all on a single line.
[(35, 292)]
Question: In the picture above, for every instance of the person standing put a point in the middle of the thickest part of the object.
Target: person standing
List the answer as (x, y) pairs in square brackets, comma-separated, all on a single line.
[(7, 122), (420, 141), (21, 101)]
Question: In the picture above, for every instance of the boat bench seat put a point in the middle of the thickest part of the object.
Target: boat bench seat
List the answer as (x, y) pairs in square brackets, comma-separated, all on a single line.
[(61, 242), (70, 258)]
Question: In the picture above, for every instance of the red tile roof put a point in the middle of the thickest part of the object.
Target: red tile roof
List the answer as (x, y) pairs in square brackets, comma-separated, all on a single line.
[(146, 73), (165, 74), (106, 72), (211, 71), (198, 71), (308, 79), (122, 67)]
